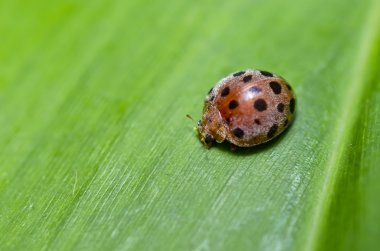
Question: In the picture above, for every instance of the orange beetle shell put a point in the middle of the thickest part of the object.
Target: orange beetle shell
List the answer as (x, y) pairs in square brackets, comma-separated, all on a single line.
[(247, 108)]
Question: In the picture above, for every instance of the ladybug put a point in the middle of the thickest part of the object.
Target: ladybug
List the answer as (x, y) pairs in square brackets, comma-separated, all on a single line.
[(247, 108)]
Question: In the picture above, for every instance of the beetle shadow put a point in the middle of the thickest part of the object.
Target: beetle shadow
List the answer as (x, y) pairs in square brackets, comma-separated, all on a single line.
[(245, 151)]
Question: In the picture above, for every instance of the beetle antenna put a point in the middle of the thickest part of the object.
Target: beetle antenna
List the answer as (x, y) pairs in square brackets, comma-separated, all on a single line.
[(189, 117)]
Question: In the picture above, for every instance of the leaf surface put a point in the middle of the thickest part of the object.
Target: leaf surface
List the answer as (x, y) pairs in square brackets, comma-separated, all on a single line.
[(96, 152)]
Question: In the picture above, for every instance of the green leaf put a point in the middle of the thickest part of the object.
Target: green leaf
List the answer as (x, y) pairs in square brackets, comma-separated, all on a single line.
[(96, 152)]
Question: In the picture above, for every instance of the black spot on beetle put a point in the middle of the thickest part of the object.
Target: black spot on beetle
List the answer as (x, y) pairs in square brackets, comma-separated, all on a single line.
[(248, 78), (260, 105), (238, 132), (280, 107), (275, 86), (266, 74), (272, 131), (257, 121), (238, 73), (225, 91), (292, 105), (212, 98), (233, 104)]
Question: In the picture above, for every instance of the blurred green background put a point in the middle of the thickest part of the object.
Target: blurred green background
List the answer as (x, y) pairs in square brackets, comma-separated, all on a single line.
[(96, 152)]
